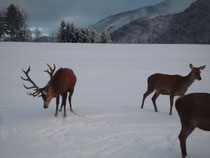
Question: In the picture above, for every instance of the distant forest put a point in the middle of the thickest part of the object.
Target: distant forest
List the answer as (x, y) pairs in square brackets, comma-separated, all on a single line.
[(13, 27)]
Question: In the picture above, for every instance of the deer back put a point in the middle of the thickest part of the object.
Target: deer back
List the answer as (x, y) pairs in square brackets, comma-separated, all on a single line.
[(63, 80), (194, 108), (175, 84), (164, 84)]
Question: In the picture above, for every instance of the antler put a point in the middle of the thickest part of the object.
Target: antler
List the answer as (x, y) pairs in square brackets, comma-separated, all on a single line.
[(35, 88), (51, 72)]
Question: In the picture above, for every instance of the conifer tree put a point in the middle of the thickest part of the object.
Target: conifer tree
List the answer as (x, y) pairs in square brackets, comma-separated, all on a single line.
[(61, 32), (105, 37), (2, 26), (71, 33), (94, 37), (15, 24)]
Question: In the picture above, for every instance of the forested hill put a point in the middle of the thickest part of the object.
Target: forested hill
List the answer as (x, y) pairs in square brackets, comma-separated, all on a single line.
[(190, 26), (114, 22)]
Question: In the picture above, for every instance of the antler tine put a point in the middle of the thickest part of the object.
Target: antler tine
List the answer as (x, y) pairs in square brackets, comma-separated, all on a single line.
[(27, 87), (51, 72), (34, 86), (51, 68), (25, 72), (36, 93)]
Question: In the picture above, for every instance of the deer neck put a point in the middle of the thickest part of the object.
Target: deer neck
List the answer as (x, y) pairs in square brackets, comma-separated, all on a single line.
[(189, 79), (51, 91)]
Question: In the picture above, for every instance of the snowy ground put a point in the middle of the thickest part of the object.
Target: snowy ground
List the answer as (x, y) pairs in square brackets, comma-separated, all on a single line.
[(108, 122)]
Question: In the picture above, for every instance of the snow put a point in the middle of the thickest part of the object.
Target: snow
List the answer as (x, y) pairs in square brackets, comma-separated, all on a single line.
[(108, 121)]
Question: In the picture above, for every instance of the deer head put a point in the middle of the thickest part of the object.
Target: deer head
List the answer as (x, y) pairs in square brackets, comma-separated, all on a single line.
[(196, 71), (46, 92)]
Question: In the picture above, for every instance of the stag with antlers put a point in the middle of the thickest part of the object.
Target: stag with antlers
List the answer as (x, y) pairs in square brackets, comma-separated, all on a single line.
[(62, 82)]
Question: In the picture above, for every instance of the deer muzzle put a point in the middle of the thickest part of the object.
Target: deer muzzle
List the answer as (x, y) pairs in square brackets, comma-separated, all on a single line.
[(46, 106), (47, 101)]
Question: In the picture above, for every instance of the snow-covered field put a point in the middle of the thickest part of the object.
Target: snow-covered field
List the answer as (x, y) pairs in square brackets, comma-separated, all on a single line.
[(108, 121)]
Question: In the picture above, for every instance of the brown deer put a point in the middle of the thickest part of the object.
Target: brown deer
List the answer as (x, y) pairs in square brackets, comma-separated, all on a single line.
[(62, 82), (172, 85), (194, 111), (51, 73)]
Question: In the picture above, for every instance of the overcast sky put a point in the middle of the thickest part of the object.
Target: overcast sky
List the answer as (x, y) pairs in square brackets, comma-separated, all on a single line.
[(47, 14)]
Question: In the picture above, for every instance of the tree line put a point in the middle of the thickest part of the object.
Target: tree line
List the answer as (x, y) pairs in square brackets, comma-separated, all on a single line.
[(70, 33), (13, 27)]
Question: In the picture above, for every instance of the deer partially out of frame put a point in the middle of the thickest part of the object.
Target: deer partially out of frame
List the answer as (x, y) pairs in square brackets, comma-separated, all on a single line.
[(194, 111), (62, 82), (172, 85)]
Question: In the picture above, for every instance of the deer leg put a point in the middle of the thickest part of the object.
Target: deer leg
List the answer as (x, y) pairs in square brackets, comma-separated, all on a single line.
[(70, 95), (185, 132), (189, 131), (171, 103), (64, 96), (61, 104), (61, 108), (148, 92), (57, 104), (155, 96), (182, 140)]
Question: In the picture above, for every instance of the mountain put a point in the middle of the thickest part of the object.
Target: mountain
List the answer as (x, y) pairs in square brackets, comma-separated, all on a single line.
[(115, 22), (190, 26)]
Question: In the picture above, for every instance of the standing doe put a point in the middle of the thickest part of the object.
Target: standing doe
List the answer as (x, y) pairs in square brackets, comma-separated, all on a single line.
[(62, 82), (172, 85), (194, 111)]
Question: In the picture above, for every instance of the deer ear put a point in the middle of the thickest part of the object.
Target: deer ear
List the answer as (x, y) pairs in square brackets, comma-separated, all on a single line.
[(202, 67), (191, 66)]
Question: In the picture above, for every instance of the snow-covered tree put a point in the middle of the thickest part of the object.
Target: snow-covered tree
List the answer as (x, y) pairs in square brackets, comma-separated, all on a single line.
[(61, 32), (94, 37), (2, 26), (13, 24), (70, 33), (105, 37)]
